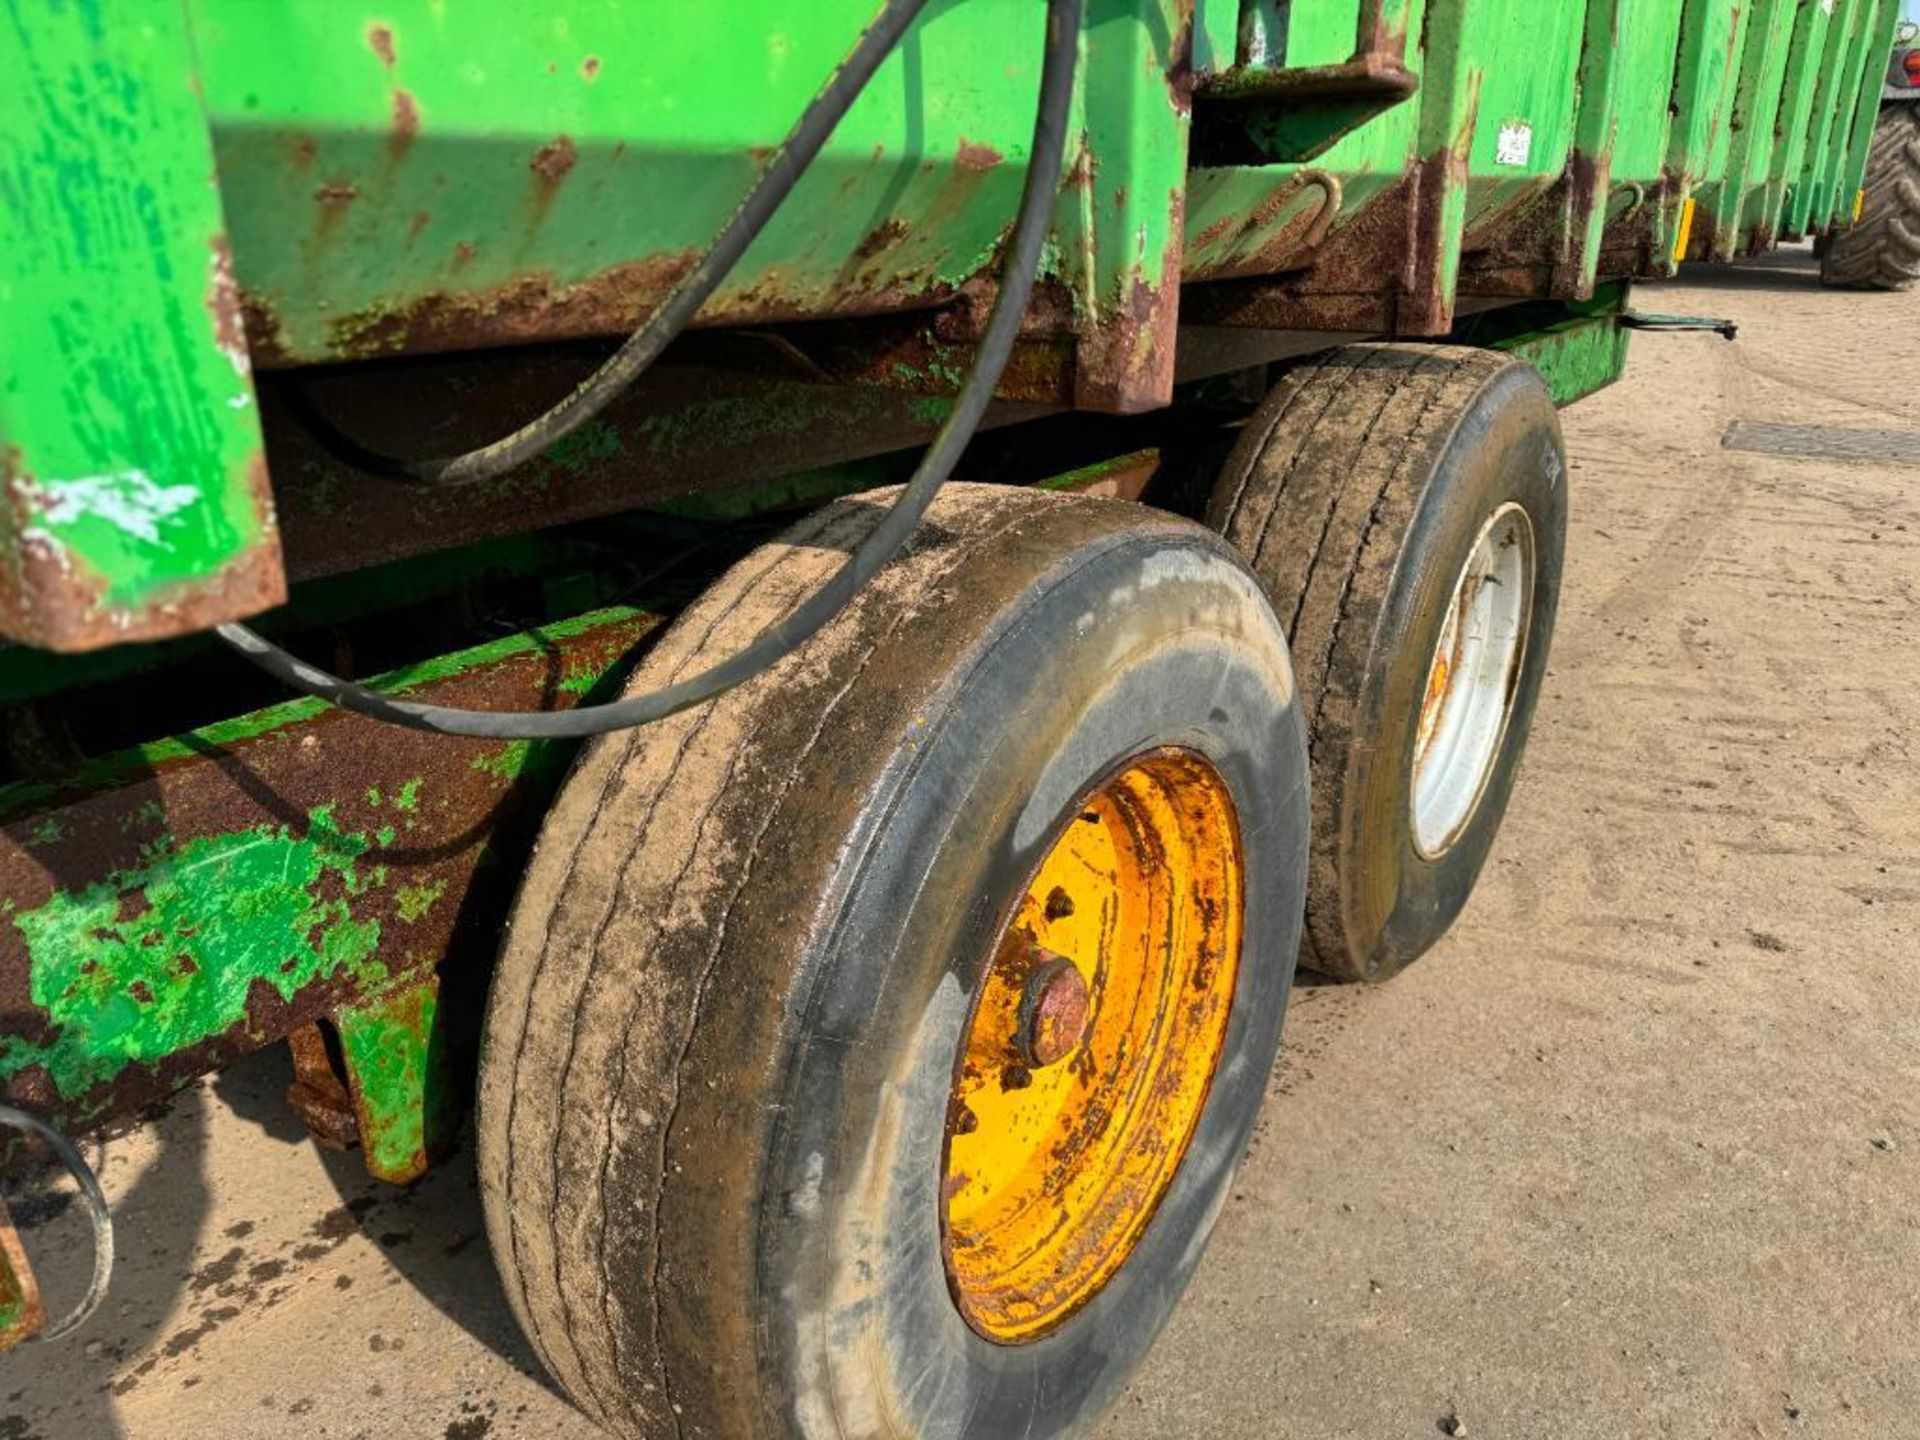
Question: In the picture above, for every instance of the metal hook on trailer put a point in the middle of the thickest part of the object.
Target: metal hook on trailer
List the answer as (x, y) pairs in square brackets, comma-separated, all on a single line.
[(1335, 200), (1636, 196)]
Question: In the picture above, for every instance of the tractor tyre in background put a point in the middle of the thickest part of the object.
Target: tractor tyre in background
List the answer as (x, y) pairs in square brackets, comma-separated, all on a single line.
[(873, 1046), (1405, 508), (1881, 251)]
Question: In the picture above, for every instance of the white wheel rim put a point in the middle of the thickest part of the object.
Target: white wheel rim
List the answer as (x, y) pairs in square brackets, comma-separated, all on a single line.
[(1471, 681)]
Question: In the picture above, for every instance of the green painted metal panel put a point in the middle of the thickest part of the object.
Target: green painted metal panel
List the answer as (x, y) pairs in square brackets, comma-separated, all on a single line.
[(1711, 33), (175, 905), (132, 485), (436, 176), (1725, 201), (1762, 124), (1816, 35), (1863, 61), (1647, 193), (1574, 150), (1853, 168), (1826, 203), (1577, 358), (1647, 38), (574, 154), (431, 178), (1746, 19), (1216, 33), (1602, 88), (1235, 214), (1519, 59), (1121, 229), (1843, 48)]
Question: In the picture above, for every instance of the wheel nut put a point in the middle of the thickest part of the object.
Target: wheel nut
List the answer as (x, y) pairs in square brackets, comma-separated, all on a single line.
[(1054, 1010)]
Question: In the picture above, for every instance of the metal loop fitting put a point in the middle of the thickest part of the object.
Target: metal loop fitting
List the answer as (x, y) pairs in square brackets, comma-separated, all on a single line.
[(97, 1212)]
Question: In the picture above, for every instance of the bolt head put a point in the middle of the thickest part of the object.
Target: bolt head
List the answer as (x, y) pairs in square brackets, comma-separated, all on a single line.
[(1055, 1011)]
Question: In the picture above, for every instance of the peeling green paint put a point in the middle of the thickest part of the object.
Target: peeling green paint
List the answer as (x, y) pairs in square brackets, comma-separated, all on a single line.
[(170, 950), (414, 901), (507, 761), (579, 677), (161, 957)]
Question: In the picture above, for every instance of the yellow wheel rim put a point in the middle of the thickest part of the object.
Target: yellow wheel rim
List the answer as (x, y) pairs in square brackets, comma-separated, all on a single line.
[(1092, 1045)]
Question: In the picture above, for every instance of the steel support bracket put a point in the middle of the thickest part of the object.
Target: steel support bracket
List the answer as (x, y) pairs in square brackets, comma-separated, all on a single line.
[(1713, 325), (405, 1094), (376, 1074)]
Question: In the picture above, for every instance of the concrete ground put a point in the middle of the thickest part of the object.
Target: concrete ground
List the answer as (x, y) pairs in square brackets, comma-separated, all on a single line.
[(1635, 1152)]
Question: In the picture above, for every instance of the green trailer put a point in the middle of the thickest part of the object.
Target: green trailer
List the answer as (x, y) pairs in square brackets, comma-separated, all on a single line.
[(1020, 523)]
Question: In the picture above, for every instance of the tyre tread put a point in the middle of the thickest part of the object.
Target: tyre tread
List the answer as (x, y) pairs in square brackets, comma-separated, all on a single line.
[(1882, 252), (1340, 453), (612, 912)]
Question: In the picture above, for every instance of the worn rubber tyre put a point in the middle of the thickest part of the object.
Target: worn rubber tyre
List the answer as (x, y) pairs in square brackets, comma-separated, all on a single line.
[(724, 1031), (1358, 492), (1882, 251)]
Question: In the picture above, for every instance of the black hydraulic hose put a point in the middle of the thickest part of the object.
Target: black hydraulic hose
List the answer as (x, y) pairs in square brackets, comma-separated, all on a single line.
[(779, 640), (640, 349)]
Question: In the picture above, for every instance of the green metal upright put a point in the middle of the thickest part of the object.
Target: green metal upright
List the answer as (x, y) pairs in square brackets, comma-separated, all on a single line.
[(135, 499)]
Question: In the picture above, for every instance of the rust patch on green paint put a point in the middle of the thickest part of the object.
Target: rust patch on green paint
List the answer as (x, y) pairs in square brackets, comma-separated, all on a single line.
[(406, 124), (555, 160), (976, 157), (530, 307), (380, 41), (211, 894), (152, 960)]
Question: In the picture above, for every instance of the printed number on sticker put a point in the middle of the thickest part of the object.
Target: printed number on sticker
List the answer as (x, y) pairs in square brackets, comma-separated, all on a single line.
[(1515, 144)]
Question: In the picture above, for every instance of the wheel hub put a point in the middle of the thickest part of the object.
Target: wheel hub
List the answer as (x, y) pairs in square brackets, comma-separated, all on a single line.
[(1093, 1042), (1472, 680), (1054, 1011)]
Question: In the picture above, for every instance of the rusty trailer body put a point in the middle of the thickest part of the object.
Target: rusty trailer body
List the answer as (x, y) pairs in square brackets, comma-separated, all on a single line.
[(236, 225)]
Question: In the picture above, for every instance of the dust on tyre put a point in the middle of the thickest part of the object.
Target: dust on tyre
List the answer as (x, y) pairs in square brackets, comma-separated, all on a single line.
[(1881, 250), (1405, 507), (872, 1046)]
